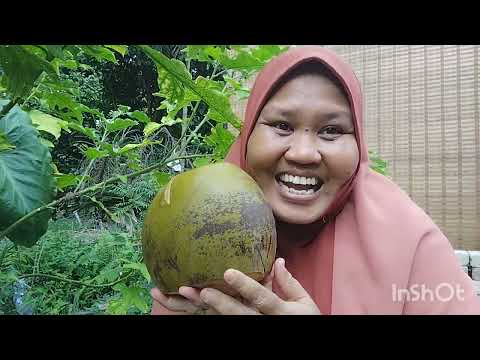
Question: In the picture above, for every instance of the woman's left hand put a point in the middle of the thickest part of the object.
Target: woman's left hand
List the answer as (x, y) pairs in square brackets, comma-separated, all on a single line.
[(256, 298)]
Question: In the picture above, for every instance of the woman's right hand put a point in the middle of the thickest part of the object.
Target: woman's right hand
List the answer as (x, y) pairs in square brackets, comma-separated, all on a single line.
[(187, 303)]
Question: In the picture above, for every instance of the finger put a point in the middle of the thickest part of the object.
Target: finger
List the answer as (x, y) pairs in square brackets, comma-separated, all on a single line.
[(159, 309), (255, 293), (224, 304), (290, 287), (193, 295), (173, 302)]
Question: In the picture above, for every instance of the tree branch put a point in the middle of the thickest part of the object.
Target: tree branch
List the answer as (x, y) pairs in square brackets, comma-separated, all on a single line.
[(95, 187)]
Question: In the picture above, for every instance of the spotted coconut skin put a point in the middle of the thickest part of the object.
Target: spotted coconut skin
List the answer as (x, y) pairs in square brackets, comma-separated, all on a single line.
[(205, 221)]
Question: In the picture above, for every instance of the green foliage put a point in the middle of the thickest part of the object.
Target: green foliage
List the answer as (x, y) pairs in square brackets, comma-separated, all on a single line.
[(26, 180), (377, 163), (22, 66), (81, 254)]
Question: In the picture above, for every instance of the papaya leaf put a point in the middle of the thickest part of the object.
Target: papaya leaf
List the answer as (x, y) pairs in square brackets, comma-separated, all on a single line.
[(221, 140), (215, 100), (26, 180)]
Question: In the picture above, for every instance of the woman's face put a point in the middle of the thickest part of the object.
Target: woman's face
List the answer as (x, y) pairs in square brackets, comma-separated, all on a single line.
[(303, 148)]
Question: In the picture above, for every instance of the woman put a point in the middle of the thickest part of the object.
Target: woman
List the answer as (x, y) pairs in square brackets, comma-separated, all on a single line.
[(349, 240)]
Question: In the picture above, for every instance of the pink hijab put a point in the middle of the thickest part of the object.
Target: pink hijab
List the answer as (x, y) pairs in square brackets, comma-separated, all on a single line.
[(379, 252)]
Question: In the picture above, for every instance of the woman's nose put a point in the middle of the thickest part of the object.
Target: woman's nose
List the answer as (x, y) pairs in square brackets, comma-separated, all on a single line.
[(303, 149)]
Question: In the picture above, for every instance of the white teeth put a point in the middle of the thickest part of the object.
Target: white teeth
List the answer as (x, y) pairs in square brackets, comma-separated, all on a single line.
[(299, 192), (299, 180)]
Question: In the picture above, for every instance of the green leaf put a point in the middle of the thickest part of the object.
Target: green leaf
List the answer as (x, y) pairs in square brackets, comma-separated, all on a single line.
[(122, 49), (66, 180), (266, 52), (167, 121), (150, 128), (140, 116), (22, 68), (130, 296), (129, 147), (216, 101), (4, 143), (89, 132), (26, 180), (120, 124), (93, 153), (221, 140), (99, 52), (162, 178), (123, 179), (47, 143), (201, 162), (140, 267), (47, 123)]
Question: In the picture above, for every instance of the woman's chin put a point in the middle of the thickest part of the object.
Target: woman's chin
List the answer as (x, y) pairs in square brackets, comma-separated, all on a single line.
[(295, 218)]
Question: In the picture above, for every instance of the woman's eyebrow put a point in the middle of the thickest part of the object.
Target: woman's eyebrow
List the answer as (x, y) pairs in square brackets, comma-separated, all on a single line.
[(290, 113)]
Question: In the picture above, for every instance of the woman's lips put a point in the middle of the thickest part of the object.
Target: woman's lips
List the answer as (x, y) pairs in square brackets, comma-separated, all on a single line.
[(296, 197)]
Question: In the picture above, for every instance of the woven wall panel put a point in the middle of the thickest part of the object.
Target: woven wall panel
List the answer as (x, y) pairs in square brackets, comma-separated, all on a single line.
[(422, 116)]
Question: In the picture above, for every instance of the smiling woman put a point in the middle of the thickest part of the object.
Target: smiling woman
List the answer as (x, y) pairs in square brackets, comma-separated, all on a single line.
[(347, 236)]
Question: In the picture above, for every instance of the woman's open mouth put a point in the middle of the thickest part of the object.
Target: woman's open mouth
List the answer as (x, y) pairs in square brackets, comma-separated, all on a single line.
[(299, 187)]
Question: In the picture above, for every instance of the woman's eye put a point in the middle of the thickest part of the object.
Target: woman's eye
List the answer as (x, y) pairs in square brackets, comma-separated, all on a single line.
[(282, 126), (331, 132)]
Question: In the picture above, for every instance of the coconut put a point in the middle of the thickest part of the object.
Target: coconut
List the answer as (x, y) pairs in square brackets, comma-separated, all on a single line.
[(205, 221)]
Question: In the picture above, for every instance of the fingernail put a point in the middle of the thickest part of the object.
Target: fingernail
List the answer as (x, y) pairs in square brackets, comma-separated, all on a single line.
[(281, 262)]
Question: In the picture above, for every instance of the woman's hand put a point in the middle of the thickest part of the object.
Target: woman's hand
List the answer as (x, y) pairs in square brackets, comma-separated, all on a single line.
[(254, 298), (259, 298), (187, 303)]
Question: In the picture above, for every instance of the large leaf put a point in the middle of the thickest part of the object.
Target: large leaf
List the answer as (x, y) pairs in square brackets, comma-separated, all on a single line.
[(22, 67), (120, 124), (48, 123), (4, 143), (221, 140), (26, 180), (99, 52), (122, 49), (217, 101), (150, 128)]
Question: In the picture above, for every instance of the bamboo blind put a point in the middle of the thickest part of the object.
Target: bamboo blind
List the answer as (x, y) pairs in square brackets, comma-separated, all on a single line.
[(421, 114)]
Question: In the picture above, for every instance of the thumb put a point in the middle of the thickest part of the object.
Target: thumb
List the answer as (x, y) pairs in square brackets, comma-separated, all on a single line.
[(290, 287), (268, 280)]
